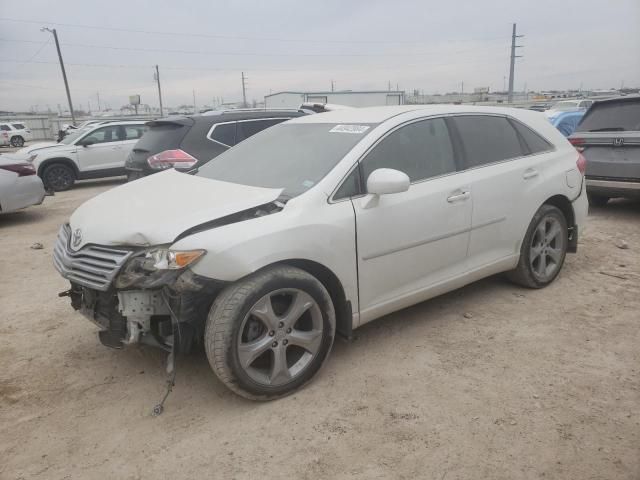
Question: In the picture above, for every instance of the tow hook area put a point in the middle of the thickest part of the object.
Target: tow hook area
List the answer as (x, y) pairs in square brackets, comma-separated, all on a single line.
[(138, 306)]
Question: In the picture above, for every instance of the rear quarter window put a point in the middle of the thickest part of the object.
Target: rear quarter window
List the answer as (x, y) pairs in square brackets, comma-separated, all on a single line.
[(534, 142), (224, 133)]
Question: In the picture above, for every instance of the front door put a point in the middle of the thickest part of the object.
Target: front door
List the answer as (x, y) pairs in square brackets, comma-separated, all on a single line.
[(106, 152), (412, 241)]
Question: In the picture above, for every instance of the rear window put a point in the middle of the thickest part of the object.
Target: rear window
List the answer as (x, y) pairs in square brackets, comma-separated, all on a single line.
[(487, 139), (5, 128), (611, 117), (161, 136)]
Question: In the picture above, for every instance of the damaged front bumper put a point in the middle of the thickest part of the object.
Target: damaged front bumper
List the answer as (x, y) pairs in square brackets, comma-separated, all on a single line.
[(165, 309)]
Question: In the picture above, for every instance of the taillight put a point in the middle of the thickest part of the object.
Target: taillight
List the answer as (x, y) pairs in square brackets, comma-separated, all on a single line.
[(5, 134), (171, 159), (581, 163), (22, 169), (578, 143)]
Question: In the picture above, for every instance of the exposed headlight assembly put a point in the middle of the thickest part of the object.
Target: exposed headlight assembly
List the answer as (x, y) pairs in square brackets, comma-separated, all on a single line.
[(156, 267)]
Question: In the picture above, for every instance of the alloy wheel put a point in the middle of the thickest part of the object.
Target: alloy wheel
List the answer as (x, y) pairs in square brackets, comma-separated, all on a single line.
[(547, 248), (280, 336), (58, 177)]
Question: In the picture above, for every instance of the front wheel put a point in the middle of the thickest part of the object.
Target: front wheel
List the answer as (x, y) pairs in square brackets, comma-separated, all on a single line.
[(58, 177), (543, 250), (268, 334), (17, 141)]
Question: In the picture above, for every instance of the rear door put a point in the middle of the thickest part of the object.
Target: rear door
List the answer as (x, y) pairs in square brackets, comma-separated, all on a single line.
[(505, 181), (610, 136)]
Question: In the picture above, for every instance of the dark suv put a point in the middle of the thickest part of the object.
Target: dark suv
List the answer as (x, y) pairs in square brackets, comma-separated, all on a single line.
[(609, 138), (186, 142)]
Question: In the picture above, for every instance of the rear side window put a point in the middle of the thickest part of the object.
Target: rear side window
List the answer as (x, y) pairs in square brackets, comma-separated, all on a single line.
[(248, 128), (18, 126), (421, 150), (612, 117), (534, 141), (224, 133), (487, 139)]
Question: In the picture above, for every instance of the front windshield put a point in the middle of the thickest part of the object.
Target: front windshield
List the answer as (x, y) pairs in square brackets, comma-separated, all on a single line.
[(74, 135), (291, 156)]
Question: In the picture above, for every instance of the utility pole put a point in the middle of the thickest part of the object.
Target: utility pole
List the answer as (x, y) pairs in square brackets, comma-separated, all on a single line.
[(389, 85), (64, 74), (462, 88), (244, 91), (157, 75), (513, 61), (194, 103), (98, 95), (332, 86)]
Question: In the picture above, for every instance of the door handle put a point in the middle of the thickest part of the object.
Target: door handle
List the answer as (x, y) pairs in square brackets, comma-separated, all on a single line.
[(530, 173), (458, 197)]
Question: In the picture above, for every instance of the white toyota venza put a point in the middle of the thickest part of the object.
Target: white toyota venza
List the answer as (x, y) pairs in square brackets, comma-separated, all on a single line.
[(319, 225)]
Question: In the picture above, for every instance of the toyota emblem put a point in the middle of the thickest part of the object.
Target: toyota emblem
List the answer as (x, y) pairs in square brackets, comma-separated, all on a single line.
[(76, 239)]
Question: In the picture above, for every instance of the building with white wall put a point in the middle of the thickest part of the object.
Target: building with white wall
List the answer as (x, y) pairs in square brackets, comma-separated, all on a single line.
[(350, 98)]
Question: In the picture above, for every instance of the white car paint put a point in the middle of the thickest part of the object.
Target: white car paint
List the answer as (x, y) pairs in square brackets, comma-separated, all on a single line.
[(17, 192), (99, 159), (388, 252)]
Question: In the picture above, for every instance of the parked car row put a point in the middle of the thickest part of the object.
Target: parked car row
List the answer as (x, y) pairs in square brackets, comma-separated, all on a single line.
[(316, 226)]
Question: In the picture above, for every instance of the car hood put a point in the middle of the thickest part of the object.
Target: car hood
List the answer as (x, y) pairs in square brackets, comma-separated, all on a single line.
[(41, 145), (156, 209)]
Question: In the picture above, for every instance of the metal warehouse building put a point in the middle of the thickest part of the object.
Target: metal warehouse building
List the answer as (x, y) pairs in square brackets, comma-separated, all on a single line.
[(350, 98)]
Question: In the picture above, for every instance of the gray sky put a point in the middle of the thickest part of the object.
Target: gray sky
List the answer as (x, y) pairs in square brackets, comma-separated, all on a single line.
[(303, 45)]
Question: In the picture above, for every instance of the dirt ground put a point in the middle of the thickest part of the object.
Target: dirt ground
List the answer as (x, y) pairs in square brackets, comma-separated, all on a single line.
[(534, 384)]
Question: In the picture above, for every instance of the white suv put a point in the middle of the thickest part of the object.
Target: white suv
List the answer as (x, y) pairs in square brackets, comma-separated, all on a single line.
[(320, 225), (14, 134), (93, 152)]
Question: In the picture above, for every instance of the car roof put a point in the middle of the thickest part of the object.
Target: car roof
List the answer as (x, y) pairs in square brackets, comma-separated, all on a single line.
[(381, 114), (622, 98), (228, 116)]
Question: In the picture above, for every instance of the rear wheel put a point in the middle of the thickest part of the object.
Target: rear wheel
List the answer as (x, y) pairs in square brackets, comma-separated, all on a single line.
[(58, 177), (17, 141), (268, 334), (543, 250), (597, 200)]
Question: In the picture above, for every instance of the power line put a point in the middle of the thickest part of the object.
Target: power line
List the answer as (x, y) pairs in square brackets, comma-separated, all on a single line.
[(204, 52), (233, 37)]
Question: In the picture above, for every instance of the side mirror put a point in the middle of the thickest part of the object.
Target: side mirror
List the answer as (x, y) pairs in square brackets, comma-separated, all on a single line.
[(85, 142), (384, 181)]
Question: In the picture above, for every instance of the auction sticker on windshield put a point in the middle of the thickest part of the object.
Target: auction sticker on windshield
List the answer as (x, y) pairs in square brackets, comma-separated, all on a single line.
[(349, 129)]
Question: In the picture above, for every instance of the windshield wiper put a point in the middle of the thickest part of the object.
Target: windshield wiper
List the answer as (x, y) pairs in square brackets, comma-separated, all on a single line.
[(608, 129)]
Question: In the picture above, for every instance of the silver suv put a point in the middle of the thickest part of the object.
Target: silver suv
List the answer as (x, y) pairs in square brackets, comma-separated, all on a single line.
[(609, 138)]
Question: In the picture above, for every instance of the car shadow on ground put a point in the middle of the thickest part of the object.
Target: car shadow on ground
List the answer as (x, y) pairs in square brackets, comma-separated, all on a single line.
[(618, 208), (102, 182), (22, 217)]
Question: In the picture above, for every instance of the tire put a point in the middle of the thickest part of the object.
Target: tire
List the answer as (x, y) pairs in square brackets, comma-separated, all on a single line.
[(597, 200), (58, 177), (543, 249), (252, 325), (17, 141)]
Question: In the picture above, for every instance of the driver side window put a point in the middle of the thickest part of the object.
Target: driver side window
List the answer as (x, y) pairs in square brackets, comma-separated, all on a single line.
[(421, 150)]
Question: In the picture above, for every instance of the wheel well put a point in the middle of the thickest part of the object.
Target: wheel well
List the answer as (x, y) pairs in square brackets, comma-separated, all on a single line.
[(65, 161), (16, 136), (563, 203), (344, 313)]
